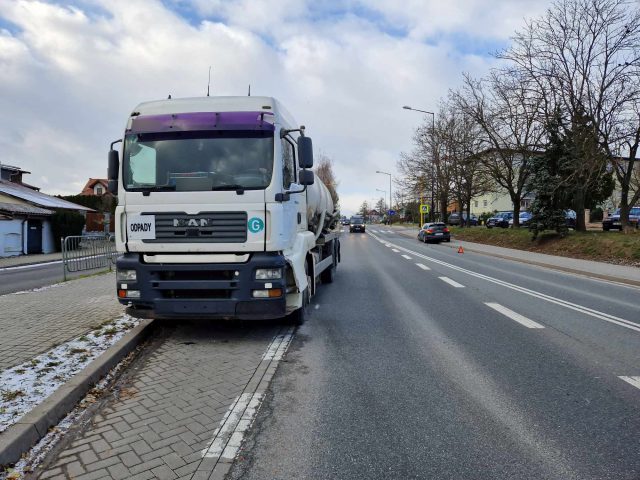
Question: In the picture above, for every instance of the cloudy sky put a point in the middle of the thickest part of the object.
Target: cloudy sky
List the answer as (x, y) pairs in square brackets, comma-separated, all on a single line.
[(71, 71)]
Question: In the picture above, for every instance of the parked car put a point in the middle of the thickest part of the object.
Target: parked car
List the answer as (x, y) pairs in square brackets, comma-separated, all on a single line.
[(356, 224), (454, 219), (500, 219), (571, 216), (524, 219), (434, 232), (613, 222)]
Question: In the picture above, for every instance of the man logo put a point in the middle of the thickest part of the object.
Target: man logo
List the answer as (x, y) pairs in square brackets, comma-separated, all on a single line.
[(255, 225), (192, 222)]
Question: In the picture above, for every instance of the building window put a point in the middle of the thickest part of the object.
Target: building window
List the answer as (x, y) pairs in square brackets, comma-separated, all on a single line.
[(484, 203), (99, 190), (475, 203)]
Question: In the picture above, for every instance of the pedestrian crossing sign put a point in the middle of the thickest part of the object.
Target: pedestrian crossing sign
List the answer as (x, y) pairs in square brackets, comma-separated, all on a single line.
[(424, 208)]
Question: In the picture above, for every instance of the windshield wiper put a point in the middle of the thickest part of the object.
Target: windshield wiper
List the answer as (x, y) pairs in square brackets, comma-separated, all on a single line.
[(238, 188)]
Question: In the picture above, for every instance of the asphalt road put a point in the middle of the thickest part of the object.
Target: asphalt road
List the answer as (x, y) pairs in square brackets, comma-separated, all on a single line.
[(27, 277), (465, 367)]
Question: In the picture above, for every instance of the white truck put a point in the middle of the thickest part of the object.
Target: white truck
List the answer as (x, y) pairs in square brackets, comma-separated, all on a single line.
[(218, 215)]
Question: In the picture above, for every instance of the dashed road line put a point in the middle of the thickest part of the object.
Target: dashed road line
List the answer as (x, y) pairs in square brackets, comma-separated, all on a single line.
[(422, 266), (395, 250), (635, 381), (516, 317), (453, 283), (406, 256), (563, 303)]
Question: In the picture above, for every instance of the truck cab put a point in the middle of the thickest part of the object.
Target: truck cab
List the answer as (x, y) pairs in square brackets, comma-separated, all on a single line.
[(212, 218)]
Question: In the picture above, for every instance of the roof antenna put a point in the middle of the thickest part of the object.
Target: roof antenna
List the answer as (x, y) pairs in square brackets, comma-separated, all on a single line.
[(249, 91), (209, 82)]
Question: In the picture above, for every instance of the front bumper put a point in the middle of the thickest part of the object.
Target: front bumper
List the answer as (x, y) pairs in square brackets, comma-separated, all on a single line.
[(207, 290)]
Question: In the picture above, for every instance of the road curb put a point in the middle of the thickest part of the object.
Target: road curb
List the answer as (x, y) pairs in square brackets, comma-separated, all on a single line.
[(21, 436), (609, 278)]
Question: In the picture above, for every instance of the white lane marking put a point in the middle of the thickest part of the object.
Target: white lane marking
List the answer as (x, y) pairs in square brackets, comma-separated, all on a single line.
[(279, 346), (424, 267), (522, 320), (564, 303), (32, 265), (228, 437), (635, 381), (453, 283), (394, 250), (374, 231), (406, 256), (387, 245)]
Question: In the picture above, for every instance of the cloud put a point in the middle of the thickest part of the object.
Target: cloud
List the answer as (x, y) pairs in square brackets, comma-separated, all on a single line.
[(71, 72)]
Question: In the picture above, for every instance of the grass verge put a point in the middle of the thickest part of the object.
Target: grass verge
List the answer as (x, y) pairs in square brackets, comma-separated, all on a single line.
[(612, 247)]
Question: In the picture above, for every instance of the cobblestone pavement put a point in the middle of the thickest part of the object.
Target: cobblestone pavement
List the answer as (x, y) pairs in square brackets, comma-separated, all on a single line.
[(165, 410), (34, 322)]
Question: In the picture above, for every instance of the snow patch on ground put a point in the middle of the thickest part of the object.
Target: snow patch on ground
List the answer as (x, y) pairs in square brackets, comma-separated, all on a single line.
[(40, 289), (25, 386), (79, 416)]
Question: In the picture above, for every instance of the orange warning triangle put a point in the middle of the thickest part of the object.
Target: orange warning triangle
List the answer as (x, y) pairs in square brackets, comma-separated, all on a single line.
[(460, 249)]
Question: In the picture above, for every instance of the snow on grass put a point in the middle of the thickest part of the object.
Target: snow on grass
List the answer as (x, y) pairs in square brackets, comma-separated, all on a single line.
[(24, 386), (79, 416)]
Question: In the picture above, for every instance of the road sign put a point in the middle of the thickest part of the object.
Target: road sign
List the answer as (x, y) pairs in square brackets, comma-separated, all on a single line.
[(424, 208), (392, 212)]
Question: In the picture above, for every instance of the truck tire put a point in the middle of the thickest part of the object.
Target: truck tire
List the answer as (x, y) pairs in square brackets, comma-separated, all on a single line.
[(300, 316)]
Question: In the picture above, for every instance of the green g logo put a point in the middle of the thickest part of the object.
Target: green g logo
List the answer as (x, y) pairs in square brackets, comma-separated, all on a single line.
[(256, 225)]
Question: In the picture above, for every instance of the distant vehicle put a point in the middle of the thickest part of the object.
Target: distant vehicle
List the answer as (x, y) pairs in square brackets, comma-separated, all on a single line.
[(344, 221), (500, 219), (434, 232), (524, 219), (571, 217), (356, 224), (613, 222), (454, 219)]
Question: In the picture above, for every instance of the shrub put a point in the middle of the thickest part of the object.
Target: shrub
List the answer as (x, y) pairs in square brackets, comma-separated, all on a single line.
[(65, 223)]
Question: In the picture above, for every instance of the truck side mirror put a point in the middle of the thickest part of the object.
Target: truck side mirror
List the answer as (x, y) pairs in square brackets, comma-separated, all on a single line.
[(305, 177), (305, 152), (112, 171)]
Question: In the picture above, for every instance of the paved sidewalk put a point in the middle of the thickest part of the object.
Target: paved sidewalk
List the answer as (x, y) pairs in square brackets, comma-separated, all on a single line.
[(35, 321), (603, 270), (166, 410)]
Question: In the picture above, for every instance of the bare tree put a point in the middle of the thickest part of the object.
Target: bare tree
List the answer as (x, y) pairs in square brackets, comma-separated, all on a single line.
[(581, 58), (505, 107), (324, 171)]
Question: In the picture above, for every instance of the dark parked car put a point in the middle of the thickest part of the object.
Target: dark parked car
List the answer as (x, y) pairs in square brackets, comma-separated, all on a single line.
[(454, 219), (434, 232), (614, 220), (500, 219), (356, 224)]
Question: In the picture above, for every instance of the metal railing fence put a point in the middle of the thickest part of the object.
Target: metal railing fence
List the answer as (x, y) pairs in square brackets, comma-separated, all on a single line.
[(88, 252)]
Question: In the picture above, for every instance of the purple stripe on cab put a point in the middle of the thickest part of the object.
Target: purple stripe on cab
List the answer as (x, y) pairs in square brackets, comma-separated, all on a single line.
[(194, 121)]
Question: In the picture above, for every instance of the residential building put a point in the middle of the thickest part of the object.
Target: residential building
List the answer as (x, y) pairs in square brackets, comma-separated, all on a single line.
[(25, 215)]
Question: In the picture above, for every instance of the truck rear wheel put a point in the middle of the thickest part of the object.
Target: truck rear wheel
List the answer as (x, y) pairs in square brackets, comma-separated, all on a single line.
[(328, 274)]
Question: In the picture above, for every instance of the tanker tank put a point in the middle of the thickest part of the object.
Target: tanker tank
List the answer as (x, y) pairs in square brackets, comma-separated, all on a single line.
[(321, 213)]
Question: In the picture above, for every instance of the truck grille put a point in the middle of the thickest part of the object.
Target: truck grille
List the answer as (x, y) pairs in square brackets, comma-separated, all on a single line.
[(205, 227)]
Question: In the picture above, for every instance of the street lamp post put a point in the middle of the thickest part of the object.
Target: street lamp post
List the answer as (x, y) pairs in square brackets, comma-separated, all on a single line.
[(385, 173), (384, 198), (433, 129)]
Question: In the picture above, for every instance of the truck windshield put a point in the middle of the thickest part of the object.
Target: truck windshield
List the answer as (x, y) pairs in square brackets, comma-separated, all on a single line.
[(198, 161)]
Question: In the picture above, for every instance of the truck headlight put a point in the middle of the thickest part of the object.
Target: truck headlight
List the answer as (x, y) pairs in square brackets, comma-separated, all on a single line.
[(126, 275), (268, 273)]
